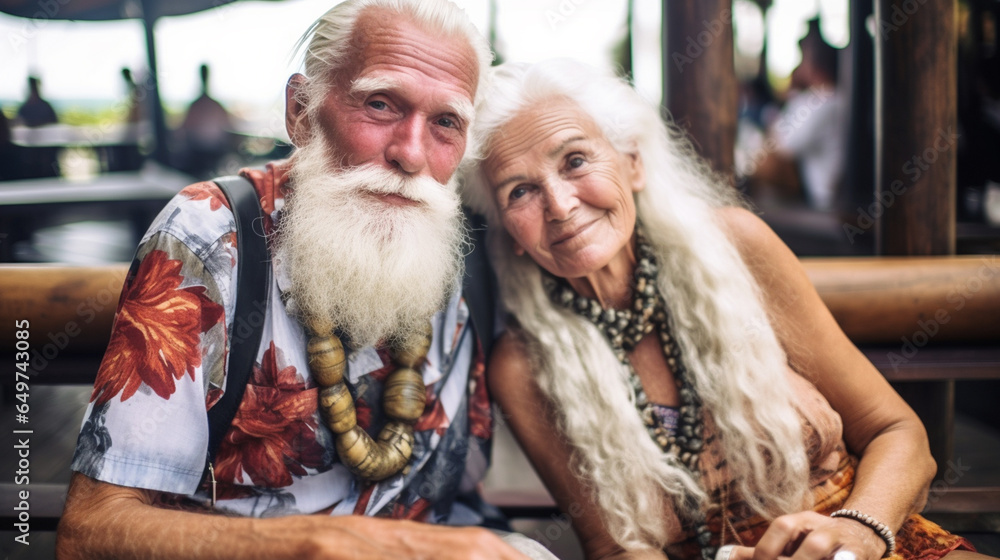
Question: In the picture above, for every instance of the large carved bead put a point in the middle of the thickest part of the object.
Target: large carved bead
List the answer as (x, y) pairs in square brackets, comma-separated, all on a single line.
[(327, 361), (398, 439), (337, 407), (404, 395), (376, 460), (354, 448), (414, 350), (319, 327)]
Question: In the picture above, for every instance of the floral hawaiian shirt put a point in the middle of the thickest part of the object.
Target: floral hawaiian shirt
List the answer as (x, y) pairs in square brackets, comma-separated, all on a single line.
[(146, 425)]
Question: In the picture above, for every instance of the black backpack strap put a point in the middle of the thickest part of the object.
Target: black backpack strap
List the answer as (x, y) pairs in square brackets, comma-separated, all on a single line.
[(253, 279), (478, 286)]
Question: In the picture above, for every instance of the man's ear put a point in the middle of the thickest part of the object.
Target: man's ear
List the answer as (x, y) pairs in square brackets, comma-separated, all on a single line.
[(637, 171), (296, 119)]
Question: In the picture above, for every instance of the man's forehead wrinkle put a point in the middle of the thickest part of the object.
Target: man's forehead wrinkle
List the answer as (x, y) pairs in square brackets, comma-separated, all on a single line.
[(414, 54), (395, 40)]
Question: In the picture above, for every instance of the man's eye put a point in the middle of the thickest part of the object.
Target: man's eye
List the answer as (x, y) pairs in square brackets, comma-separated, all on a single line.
[(447, 122), (518, 192), (378, 105), (575, 162)]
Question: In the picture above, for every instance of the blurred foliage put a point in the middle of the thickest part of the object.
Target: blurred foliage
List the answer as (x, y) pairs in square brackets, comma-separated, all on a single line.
[(83, 116)]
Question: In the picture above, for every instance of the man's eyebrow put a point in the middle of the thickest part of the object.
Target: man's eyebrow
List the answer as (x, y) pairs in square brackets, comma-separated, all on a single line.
[(461, 107), (369, 84)]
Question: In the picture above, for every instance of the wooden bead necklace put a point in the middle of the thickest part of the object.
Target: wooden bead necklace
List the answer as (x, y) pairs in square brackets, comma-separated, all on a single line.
[(624, 328), (403, 400)]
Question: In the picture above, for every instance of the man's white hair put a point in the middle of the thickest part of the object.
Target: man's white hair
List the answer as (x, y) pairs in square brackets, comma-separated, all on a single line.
[(732, 354), (330, 40)]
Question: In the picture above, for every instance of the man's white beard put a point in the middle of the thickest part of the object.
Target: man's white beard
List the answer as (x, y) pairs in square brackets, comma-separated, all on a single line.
[(376, 271)]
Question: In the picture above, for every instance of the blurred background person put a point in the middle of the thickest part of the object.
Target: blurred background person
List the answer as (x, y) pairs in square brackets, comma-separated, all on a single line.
[(125, 155), (132, 97), (36, 111), (803, 159), (205, 134)]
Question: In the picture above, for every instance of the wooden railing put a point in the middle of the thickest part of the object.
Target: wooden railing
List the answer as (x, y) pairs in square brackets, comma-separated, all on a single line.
[(917, 319)]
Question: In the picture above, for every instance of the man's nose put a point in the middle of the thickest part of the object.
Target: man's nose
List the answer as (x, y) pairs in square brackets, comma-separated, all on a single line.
[(407, 148)]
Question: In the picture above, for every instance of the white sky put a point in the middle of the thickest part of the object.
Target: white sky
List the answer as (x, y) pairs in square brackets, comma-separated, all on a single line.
[(248, 46)]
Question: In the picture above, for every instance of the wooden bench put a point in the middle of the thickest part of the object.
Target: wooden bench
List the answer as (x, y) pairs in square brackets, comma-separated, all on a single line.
[(883, 304)]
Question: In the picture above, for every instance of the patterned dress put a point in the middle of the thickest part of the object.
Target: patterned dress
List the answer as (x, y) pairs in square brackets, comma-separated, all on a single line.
[(831, 478), (146, 425)]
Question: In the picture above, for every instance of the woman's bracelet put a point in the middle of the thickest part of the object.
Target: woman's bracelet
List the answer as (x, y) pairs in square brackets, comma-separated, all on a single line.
[(881, 529)]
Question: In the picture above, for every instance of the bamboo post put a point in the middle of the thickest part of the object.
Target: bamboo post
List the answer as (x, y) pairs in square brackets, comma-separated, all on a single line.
[(859, 83), (916, 142), (699, 79)]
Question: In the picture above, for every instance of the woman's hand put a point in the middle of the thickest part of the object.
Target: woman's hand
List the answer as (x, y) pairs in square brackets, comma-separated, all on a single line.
[(812, 536)]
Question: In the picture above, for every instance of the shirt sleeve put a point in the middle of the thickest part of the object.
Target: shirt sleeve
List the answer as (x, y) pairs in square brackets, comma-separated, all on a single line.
[(805, 121), (146, 425)]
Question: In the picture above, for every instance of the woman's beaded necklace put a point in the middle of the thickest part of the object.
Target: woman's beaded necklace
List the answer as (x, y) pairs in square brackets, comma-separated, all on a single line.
[(624, 328)]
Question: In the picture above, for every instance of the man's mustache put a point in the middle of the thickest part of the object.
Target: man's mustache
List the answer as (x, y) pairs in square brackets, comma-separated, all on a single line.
[(376, 180)]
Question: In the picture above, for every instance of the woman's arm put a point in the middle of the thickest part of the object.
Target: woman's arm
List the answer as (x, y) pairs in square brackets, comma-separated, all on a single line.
[(531, 418), (896, 467)]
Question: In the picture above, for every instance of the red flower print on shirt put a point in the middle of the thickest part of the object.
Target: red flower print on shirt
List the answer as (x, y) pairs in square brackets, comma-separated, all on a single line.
[(434, 417), (273, 435), (206, 190), (157, 332), (480, 415)]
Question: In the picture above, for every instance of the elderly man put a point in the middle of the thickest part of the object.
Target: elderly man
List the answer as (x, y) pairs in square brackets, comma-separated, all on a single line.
[(365, 234)]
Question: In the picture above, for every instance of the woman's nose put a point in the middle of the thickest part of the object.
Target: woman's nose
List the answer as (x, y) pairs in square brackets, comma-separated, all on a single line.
[(560, 200)]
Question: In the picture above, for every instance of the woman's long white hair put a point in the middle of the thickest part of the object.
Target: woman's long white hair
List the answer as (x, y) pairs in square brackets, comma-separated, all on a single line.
[(733, 357)]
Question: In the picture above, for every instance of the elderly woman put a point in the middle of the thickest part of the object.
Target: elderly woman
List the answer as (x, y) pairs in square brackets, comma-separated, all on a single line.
[(669, 370)]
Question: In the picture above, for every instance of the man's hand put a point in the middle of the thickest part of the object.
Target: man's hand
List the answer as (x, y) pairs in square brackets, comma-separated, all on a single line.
[(357, 537), (645, 554), (812, 536), (98, 514)]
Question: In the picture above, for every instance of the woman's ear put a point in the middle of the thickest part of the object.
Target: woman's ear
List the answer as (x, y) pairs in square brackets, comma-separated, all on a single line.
[(518, 249), (296, 119), (636, 170)]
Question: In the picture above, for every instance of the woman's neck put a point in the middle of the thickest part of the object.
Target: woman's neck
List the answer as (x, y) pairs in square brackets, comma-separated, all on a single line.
[(610, 285)]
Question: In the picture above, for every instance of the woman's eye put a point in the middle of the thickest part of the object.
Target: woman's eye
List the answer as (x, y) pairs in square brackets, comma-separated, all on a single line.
[(575, 162), (518, 192)]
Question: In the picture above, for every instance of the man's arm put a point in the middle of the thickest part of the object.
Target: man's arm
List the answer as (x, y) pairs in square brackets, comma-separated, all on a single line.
[(103, 520)]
